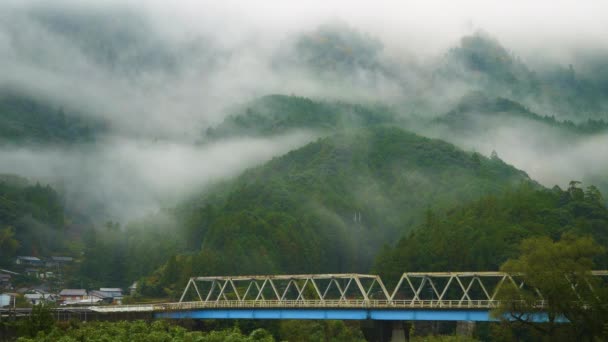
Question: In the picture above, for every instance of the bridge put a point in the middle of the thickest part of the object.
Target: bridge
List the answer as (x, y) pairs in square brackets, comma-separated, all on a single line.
[(421, 296)]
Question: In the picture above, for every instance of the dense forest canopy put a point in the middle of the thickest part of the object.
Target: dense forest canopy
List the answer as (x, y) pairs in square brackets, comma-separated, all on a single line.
[(277, 114), (483, 234)]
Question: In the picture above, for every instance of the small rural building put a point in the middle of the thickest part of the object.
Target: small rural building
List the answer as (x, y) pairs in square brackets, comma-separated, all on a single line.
[(37, 296), (7, 299), (58, 261), (5, 279), (72, 295), (104, 297), (114, 292), (28, 261)]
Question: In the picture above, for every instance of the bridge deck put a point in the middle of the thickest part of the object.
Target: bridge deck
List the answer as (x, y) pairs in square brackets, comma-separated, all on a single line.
[(308, 304)]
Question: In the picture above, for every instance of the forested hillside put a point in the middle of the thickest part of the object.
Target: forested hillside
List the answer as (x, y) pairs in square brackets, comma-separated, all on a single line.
[(483, 234), (328, 206), (483, 64), (477, 111), (31, 219), (30, 120), (277, 114)]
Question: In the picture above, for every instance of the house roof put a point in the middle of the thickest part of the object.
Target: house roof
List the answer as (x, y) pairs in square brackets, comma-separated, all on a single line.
[(110, 289), (62, 258), (33, 296), (9, 272), (100, 294), (73, 292), (28, 258)]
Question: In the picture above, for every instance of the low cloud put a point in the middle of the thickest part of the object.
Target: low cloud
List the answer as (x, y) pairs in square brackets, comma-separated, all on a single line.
[(124, 179)]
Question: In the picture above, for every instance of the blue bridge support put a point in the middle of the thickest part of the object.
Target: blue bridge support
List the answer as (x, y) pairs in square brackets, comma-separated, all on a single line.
[(334, 314)]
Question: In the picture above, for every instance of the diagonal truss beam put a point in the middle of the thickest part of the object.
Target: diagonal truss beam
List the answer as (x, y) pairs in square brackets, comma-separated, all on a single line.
[(443, 287)]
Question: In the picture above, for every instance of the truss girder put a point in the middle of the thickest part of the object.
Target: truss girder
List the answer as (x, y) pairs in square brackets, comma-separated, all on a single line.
[(318, 287), (443, 287)]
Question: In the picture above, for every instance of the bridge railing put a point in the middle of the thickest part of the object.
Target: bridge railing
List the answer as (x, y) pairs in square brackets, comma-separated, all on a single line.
[(354, 303)]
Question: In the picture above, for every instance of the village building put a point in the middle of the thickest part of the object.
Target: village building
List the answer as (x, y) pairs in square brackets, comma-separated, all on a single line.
[(72, 295), (28, 261), (37, 296)]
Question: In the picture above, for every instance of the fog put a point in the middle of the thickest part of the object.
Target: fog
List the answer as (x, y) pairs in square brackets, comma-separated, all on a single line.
[(549, 156), (125, 179), (159, 73)]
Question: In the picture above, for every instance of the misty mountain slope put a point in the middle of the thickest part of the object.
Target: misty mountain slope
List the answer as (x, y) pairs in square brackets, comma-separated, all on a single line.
[(278, 114), (117, 39), (329, 205), (27, 120), (483, 234), (481, 63), (335, 49), (477, 111), (551, 151)]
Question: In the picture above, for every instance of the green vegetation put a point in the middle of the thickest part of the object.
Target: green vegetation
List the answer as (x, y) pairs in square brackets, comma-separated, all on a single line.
[(442, 338), (327, 206), (476, 107), (24, 120), (482, 63), (485, 233), (334, 331), (141, 331), (119, 255), (276, 114), (561, 271), (31, 218), (42, 328)]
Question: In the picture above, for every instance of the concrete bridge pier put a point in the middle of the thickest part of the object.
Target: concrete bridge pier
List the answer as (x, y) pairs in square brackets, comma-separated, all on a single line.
[(465, 328), (386, 331), (398, 333)]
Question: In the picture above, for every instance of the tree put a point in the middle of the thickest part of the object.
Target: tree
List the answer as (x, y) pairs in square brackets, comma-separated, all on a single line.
[(8, 243), (559, 274), (41, 319)]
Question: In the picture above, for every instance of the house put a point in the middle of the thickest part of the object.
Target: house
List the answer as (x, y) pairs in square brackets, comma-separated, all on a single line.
[(36, 297), (36, 273), (8, 272), (72, 295), (104, 297), (114, 292), (7, 299), (59, 261), (28, 261), (5, 279)]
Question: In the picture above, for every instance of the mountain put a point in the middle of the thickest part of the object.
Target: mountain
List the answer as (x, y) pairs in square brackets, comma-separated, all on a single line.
[(278, 114), (478, 111), (25, 119), (328, 206), (334, 50), (483, 234), (481, 63)]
